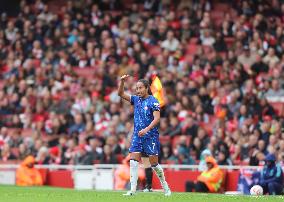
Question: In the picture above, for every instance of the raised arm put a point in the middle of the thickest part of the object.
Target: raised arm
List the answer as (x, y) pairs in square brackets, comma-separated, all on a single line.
[(121, 92)]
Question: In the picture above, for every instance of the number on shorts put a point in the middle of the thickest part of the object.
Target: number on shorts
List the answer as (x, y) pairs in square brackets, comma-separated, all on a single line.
[(153, 143)]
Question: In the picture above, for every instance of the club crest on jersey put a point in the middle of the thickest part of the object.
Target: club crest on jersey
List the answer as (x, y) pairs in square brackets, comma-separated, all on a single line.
[(145, 107)]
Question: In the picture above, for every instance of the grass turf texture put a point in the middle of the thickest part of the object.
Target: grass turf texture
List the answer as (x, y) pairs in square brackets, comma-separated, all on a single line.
[(48, 194)]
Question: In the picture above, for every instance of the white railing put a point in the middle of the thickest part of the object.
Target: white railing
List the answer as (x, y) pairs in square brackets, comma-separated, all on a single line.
[(98, 176), (113, 166)]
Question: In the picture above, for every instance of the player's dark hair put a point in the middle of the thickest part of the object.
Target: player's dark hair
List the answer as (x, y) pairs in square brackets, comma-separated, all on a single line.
[(146, 85)]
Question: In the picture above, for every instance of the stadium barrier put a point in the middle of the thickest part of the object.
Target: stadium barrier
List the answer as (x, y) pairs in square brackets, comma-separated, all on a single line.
[(101, 176)]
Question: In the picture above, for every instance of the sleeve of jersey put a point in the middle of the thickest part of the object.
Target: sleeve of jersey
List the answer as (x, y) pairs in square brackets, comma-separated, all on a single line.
[(155, 105), (133, 99)]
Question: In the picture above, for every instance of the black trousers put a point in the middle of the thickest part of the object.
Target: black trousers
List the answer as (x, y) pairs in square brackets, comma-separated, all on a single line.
[(198, 187)]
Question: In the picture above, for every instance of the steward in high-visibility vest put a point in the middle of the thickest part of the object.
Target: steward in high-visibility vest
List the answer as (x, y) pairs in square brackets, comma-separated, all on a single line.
[(27, 175), (213, 176)]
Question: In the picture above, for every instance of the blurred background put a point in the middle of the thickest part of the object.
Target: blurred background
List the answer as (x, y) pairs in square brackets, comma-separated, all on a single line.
[(220, 63)]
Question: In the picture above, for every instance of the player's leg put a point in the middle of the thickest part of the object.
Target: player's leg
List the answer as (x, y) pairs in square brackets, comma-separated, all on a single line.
[(152, 148), (134, 165), (189, 186), (274, 188), (148, 172), (201, 187), (265, 188), (160, 173), (135, 155)]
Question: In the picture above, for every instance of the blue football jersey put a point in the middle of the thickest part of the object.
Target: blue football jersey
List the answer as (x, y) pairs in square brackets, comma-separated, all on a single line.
[(143, 114)]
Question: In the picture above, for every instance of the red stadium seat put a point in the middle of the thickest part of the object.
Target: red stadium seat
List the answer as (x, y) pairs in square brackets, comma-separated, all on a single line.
[(12, 131), (163, 161), (233, 13), (11, 162), (97, 161), (55, 7), (115, 13), (155, 50), (119, 158), (223, 55), (217, 17), (176, 140), (218, 13), (207, 49), (36, 63), (278, 107), (229, 41), (208, 128), (171, 162), (165, 139), (27, 132), (128, 3), (86, 72), (189, 58), (212, 119), (192, 49), (221, 7), (2, 84), (15, 151), (194, 40), (237, 162)]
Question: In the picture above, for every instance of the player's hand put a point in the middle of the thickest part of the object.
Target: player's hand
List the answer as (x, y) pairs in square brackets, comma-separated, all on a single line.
[(142, 132), (124, 77)]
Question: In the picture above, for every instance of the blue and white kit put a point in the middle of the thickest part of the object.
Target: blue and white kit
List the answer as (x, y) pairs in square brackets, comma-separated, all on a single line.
[(143, 115)]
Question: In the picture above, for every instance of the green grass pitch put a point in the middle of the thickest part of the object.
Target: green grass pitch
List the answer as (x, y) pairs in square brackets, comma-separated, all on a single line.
[(48, 194)]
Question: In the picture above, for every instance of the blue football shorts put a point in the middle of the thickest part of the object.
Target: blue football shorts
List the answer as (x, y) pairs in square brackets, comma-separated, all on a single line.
[(148, 146)]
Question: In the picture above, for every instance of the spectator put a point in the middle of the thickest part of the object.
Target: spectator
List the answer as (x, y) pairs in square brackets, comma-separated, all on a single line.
[(202, 163), (271, 176), (79, 125), (209, 180), (166, 153), (112, 141), (271, 59), (207, 39), (171, 43), (108, 157), (95, 150), (247, 59), (275, 91), (82, 156), (27, 175), (42, 157), (259, 66), (257, 158), (219, 45), (223, 158), (6, 153)]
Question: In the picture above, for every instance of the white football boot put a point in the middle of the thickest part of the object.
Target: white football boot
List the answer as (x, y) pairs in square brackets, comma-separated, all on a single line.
[(129, 193), (167, 190)]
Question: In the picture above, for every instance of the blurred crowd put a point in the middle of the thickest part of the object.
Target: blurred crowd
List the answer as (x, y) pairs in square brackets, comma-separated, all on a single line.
[(221, 65)]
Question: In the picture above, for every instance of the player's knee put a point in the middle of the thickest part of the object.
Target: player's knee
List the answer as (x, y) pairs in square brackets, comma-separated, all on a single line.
[(134, 163), (153, 160), (154, 165), (270, 185), (146, 162)]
